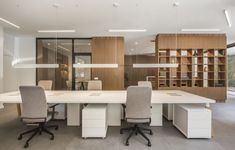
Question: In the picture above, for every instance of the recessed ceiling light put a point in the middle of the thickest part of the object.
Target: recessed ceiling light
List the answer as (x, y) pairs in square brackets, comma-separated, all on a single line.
[(228, 18), (132, 49), (200, 30), (136, 43), (56, 31), (10, 23), (127, 30)]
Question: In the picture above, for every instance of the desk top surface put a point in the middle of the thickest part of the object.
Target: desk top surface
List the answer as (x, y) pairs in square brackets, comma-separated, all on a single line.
[(158, 97)]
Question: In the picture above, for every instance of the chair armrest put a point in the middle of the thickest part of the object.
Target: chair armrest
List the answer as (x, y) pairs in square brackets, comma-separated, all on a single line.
[(53, 105)]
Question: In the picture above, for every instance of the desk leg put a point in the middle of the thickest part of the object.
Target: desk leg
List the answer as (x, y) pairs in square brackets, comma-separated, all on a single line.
[(156, 118), (114, 114), (73, 114)]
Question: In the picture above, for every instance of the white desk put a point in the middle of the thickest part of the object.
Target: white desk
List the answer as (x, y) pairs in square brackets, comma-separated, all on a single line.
[(113, 99)]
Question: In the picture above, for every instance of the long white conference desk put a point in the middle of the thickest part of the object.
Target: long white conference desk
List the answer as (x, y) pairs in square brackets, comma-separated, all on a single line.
[(114, 99)]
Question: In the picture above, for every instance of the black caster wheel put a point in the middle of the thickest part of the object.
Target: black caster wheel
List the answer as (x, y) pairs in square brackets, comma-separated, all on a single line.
[(149, 144), (121, 132), (20, 137), (56, 128), (40, 133), (52, 137), (26, 145), (136, 133), (151, 132), (127, 143)]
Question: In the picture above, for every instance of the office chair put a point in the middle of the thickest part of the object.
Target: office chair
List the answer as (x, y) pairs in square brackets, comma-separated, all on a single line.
[(141, 84), (145, 84), (95, 85), (35, 112), (138, 111), (47, 86)]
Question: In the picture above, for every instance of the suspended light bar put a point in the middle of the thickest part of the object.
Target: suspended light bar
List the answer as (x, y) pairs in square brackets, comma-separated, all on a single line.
[(56, 31), (127, 30), (32, 66), (155, 65), (228, 18), (10, 23), (95, 65)]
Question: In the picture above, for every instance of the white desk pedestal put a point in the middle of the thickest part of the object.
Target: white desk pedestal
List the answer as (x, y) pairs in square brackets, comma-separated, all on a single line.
[(168, 111), (73, 114), (114, 114), (156, 118)]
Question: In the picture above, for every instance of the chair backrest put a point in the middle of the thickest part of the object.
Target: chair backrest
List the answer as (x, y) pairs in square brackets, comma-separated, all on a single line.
[(45, 84), (34, 104), (138, 102), (145, 84), (94, 85)]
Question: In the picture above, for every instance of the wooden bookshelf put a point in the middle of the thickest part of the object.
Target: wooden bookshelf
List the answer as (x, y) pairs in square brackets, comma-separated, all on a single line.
[(202, 64)]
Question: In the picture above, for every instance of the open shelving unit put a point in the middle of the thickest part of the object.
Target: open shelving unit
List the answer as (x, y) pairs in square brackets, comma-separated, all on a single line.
[(202, 63)]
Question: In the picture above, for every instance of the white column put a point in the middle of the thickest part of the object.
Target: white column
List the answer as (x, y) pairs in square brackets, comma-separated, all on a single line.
[(1, 59), (1, 62)]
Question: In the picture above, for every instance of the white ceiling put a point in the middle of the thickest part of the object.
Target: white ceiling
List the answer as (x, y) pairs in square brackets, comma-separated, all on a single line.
[(95, 17)]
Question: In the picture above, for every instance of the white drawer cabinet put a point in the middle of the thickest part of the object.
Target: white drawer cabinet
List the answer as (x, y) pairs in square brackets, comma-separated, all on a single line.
[(94, 121), (193, 120)]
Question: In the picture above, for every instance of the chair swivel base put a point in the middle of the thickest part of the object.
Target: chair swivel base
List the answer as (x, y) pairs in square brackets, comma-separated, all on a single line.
[(137, 130), (41, 128)]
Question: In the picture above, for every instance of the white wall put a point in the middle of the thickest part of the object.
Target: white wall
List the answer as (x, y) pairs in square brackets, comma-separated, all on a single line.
[(1, 59)]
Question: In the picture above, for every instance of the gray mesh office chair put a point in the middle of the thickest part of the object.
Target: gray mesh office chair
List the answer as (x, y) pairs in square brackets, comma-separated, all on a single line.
[(145, 84), (141, 84), (47, 85), (34, 111), (94, 85), (138, 111)]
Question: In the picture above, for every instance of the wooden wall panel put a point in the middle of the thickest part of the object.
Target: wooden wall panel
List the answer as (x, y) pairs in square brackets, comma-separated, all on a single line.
[(109, 50), (133, 75), (187, 41)]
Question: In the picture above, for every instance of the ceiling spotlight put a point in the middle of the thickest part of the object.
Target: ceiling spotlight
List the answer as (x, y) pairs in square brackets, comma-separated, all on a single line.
[(136, 43), (132, 49), (176, 4), (116, 4), (56, 5)]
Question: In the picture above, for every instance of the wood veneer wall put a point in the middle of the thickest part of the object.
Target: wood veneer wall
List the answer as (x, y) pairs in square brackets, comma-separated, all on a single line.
[(109, 50), (133, 75)]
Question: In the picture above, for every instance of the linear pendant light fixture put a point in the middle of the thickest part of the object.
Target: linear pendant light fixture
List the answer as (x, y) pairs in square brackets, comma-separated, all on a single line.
[(127, 30), (56, 31), (95, 65), (10, 23), (228, 18), (155, 65), (200, 30), (32, 66)]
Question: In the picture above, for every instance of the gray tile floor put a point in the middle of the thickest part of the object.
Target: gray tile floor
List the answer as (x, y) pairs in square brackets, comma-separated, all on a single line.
[(164, 138)]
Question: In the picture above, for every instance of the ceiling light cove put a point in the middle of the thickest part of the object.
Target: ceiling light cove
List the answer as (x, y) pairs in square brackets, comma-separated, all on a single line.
[(200, 30), (56, 31), (127, 30), (10, 23)]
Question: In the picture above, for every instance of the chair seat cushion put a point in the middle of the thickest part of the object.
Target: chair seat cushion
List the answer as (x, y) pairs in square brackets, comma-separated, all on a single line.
[(138, 120), (34, 120)]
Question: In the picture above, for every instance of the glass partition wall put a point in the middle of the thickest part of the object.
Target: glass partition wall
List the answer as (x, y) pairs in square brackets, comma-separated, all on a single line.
[(64, 52)]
